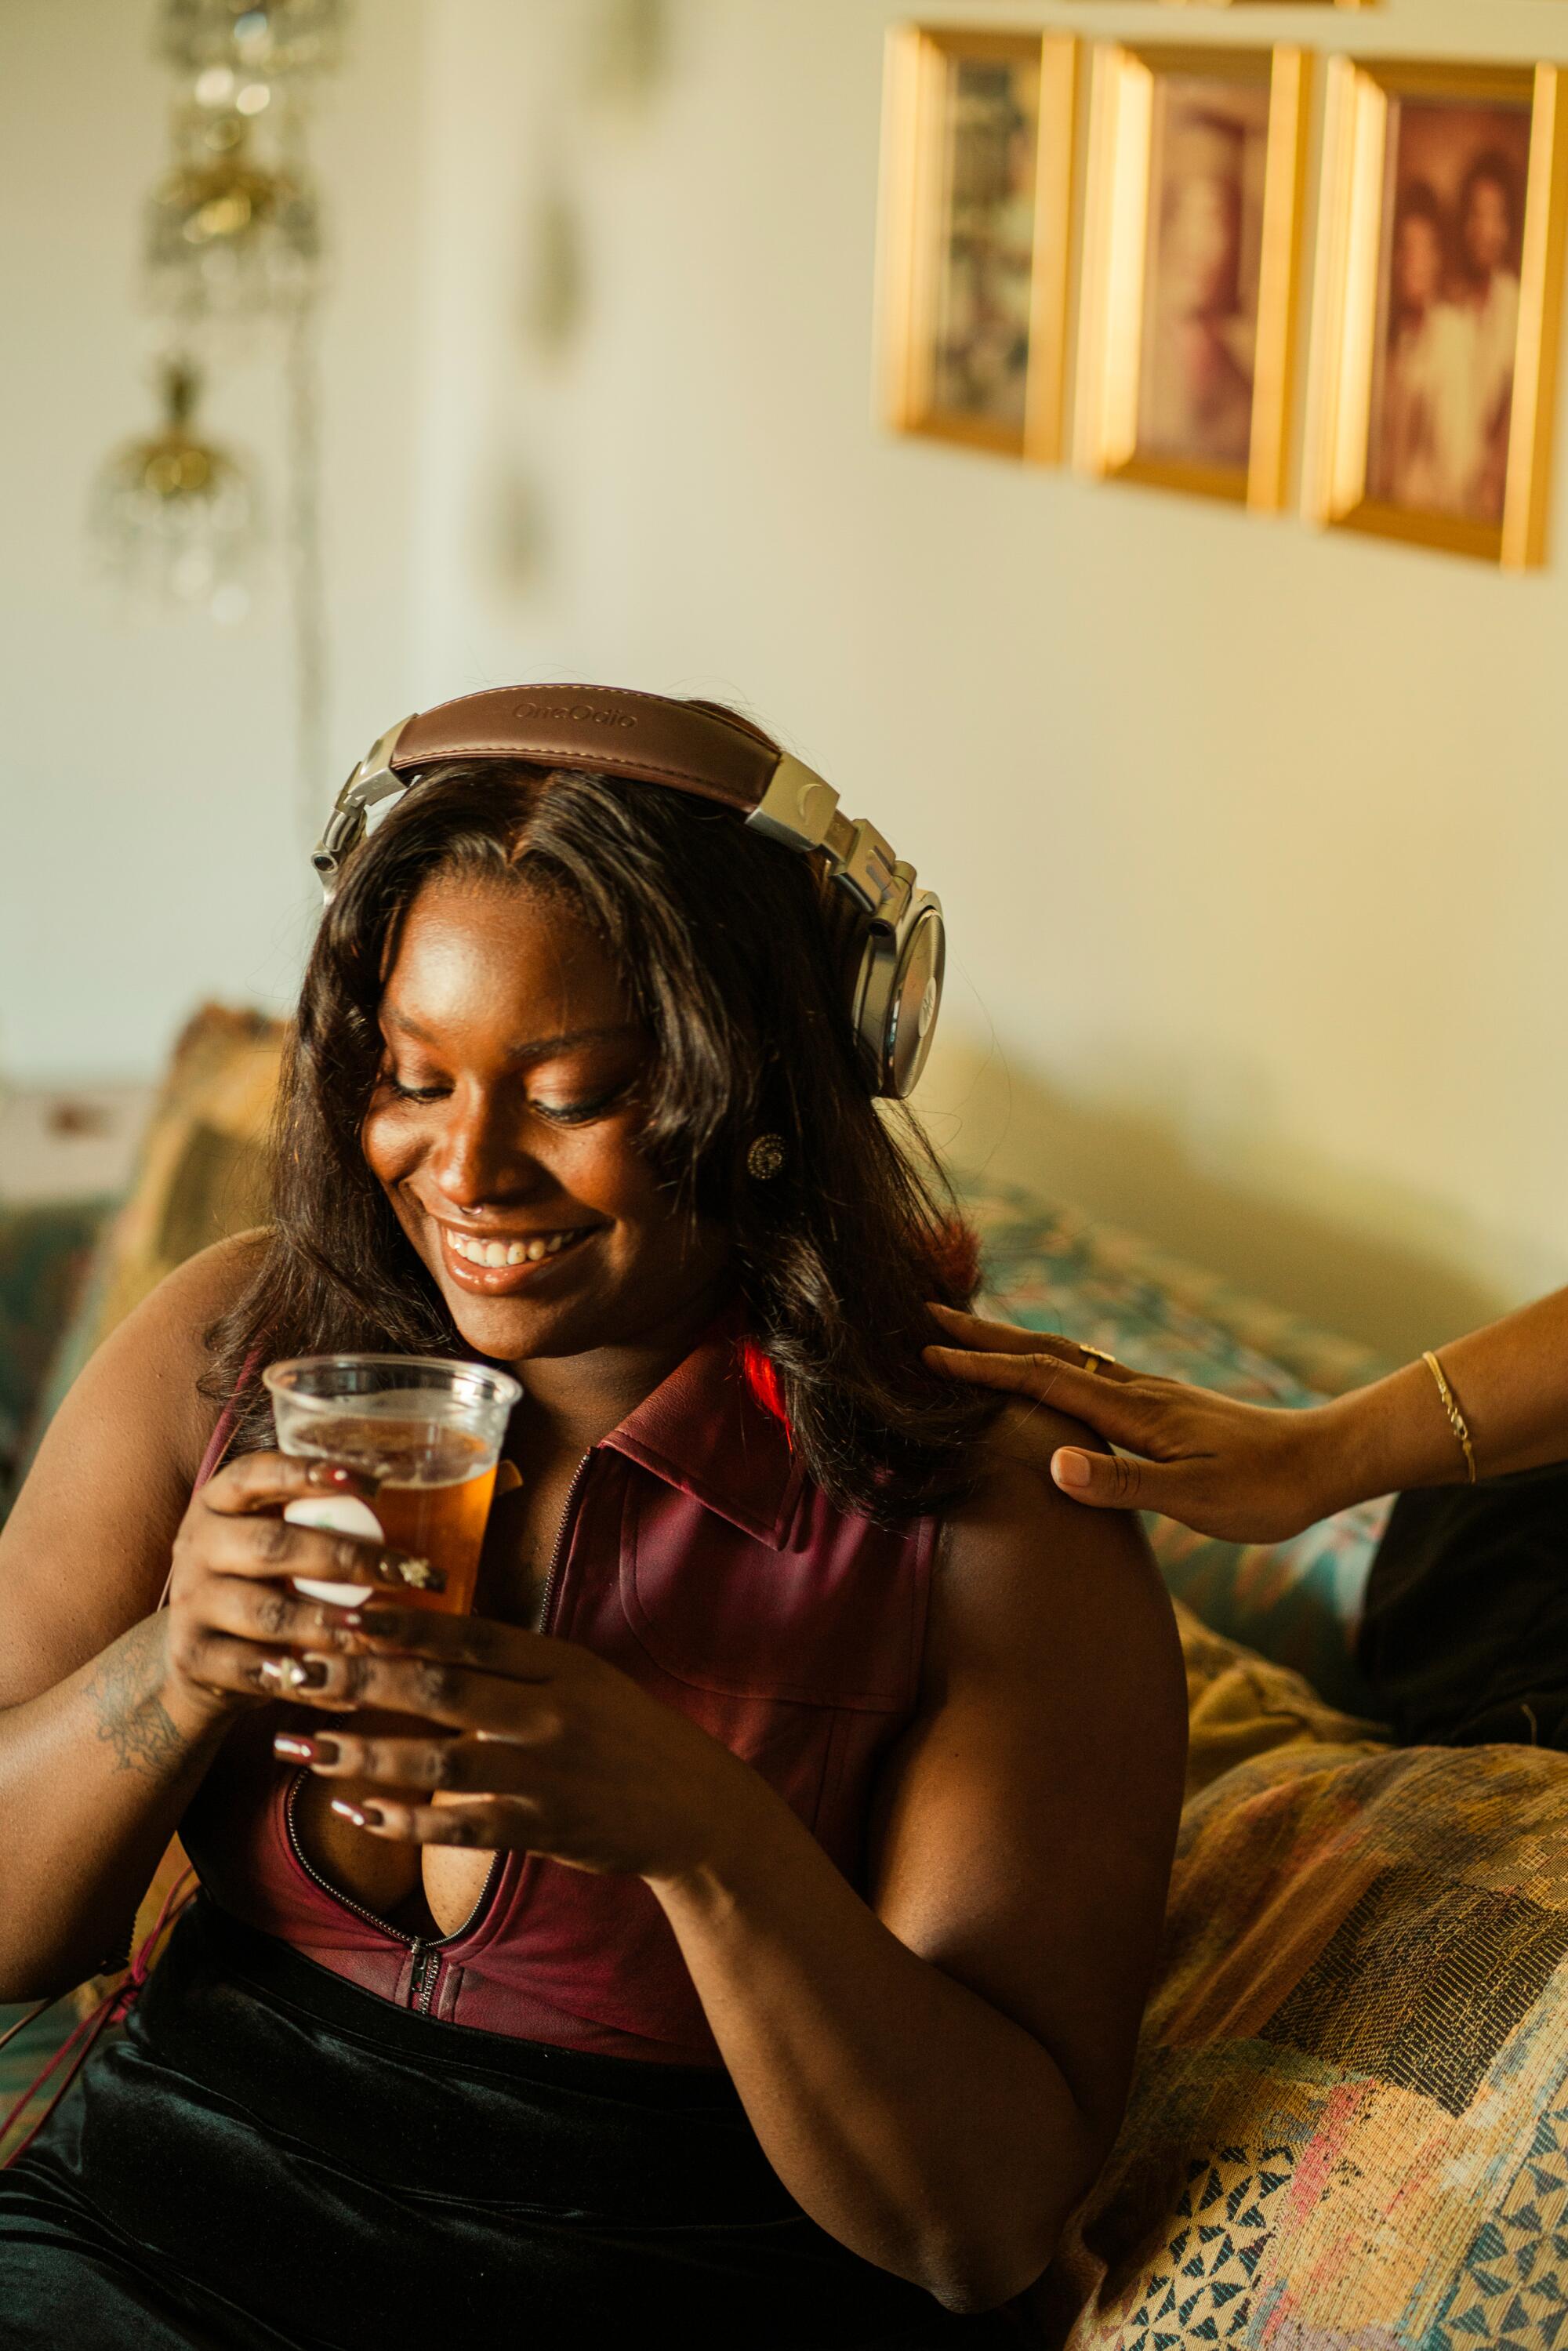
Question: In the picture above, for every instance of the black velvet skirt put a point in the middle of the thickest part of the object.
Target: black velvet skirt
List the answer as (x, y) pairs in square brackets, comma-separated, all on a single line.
[(270, 2159)]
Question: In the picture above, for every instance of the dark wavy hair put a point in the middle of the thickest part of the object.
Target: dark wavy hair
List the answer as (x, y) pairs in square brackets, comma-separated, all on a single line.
[(733, 953)]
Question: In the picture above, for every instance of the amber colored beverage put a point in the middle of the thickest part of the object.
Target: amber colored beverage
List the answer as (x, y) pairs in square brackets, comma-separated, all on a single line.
[(433, 1498), (428, 1431)]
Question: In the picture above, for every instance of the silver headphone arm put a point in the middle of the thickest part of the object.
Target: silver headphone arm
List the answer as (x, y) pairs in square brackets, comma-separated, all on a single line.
[(371, 781), (800, 808)]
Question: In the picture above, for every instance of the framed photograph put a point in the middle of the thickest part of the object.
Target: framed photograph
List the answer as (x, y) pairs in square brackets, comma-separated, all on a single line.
[(1196, 160), (1439, 306), (977, 202)]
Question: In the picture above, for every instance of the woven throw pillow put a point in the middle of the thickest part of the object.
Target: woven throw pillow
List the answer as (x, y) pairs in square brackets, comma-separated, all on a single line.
[(1349, 2126), (1055, 1269), (200, 1176)]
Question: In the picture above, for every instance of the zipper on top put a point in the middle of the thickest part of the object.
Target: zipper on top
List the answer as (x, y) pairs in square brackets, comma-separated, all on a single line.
[(423, 1951), (562, 1533)]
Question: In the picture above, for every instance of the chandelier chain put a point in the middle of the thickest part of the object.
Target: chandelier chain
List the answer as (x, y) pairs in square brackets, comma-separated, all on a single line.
[(308, 593)]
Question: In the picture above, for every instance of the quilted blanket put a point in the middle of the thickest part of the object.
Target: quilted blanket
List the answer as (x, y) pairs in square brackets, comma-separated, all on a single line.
[(1349, 2128)]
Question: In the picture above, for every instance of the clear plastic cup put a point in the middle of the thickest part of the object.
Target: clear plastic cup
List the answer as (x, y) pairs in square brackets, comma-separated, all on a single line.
[(429, 1431)]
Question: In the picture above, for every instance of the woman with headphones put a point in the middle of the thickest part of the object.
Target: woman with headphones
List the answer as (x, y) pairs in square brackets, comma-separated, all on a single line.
[(740, 1929)]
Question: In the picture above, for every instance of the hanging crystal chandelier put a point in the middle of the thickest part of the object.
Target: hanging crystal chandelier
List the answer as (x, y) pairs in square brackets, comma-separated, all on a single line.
[(228, 236), (265, 40), (175, 519)]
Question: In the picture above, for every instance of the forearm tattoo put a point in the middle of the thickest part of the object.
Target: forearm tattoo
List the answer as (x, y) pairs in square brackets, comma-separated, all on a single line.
[(127, 1712)]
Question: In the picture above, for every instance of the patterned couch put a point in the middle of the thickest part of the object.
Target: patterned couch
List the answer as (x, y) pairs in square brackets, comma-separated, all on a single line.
[(1349, 2126)]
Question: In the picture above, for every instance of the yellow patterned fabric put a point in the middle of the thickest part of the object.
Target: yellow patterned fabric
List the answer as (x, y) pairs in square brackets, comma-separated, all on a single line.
[(1349, 2128), (200, 1176), (202, 1173), (1241, 1706)]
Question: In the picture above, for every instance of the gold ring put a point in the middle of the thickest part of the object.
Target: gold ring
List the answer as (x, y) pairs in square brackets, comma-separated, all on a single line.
[(1093, 1359)]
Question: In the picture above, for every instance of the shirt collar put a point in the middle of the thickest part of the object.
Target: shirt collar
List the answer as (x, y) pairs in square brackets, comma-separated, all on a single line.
[(705, 1433)]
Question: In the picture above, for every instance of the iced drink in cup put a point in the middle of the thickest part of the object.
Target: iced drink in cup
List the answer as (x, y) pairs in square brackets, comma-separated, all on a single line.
[(427, 1430)]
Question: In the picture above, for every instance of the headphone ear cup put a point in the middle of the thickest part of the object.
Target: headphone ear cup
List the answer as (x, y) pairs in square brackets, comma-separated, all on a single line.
[(897, 995)]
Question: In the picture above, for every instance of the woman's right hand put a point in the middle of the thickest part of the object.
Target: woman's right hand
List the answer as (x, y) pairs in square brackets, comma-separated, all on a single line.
[(234, 1617)]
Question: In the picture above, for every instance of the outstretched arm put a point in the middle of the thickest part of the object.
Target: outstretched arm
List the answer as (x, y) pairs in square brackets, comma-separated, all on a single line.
[(1254, 1475)]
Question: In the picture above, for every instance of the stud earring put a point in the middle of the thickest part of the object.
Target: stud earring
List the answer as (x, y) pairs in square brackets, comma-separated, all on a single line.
[(766, 1158)]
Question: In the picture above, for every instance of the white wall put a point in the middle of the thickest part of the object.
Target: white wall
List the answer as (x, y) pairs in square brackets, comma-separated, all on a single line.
[(150, 810), (1253, 842)]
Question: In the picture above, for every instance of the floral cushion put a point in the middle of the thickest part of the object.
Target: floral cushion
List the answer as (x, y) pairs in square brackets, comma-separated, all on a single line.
[(1054, 1269)]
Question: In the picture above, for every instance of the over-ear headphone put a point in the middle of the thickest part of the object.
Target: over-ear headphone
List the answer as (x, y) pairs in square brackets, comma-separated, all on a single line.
[(689, 746)]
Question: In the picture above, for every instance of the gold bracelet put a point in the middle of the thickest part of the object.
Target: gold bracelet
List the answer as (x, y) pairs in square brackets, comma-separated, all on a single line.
[(1455, 1417)]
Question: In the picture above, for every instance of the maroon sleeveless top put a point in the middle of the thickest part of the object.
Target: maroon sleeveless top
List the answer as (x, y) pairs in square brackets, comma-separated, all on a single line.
[(696, 1557)]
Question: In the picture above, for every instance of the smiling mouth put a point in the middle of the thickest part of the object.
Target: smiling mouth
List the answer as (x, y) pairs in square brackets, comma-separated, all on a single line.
[(497, 1264)]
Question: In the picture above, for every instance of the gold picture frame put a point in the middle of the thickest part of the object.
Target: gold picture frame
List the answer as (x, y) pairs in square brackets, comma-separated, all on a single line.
[(1263, 4), (976, 220), (1192, 245), (1412, 433)]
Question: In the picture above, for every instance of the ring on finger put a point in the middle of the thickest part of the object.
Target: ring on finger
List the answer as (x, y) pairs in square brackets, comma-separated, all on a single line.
[(1093, 1359), (418, 1574)]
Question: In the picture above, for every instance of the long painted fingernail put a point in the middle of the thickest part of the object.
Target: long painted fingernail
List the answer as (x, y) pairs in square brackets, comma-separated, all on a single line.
[(364, 1816), (339, 1479), (307, 1673), (290, 1750)]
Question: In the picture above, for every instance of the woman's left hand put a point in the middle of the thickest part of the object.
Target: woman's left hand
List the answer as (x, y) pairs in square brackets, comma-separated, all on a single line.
[(1244, 1472), (546, 1747)]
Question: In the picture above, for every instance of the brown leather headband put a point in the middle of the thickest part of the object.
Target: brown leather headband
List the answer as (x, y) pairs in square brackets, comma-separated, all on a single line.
[(895, 984), (686, 746), (647, 737)]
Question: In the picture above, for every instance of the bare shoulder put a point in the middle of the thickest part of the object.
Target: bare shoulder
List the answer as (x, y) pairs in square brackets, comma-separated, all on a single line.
[(150, 1364), (175, 1318), (84, 1552), (1031, 1584), (1027, 1819)]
